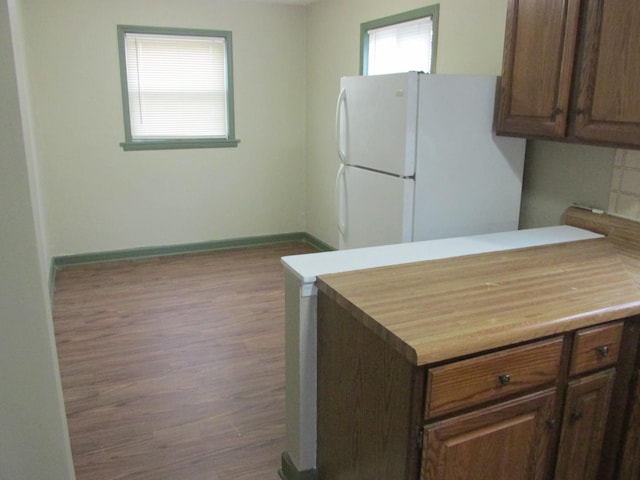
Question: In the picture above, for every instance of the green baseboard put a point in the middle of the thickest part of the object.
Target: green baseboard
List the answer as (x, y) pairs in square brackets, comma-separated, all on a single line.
[(316, 242), (147, 252), (289, 471)]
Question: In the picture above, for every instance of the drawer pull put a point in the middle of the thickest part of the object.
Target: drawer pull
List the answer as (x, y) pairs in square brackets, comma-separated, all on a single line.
[(505, 379), (576, 415), (596, 347)]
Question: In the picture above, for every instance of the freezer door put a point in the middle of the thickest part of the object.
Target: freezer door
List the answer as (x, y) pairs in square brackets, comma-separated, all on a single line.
[(468, 181), (373, 208), (376, 122)]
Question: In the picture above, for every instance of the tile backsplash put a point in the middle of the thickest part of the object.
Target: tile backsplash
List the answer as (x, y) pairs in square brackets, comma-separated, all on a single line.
[(624, 199)]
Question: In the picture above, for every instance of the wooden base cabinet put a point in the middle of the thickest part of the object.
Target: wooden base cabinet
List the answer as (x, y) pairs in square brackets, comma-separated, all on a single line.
[(537, 410), (516, 365), (583, 426), (630, 464), (509, 440)]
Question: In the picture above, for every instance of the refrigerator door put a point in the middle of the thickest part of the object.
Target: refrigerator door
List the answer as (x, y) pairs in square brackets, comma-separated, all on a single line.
[(374, 208), (468, 181), (376, 122)]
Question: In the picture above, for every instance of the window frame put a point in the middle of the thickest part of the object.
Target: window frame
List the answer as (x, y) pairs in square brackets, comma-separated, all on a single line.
[(176, 143), (432, 11)]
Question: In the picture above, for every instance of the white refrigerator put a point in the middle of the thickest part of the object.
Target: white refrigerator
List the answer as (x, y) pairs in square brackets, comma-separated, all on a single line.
[(419, 160)]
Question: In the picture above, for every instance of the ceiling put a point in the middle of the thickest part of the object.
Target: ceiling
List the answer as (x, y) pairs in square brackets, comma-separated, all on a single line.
[(291, 2)]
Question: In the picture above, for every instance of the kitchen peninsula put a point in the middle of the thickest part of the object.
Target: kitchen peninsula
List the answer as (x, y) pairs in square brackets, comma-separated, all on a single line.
[(502, 365)]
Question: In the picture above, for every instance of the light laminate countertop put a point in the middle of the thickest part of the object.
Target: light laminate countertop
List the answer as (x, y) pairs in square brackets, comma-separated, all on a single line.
[(442, 309)]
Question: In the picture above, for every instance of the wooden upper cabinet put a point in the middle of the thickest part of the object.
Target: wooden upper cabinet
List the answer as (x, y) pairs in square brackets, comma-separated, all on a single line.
[(607, 108), (570, 71), (537, 67)]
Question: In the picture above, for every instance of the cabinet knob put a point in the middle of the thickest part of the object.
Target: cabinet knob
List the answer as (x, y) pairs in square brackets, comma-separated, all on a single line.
[(504, 379), (603, 351), (552, 423), (576, 415), (557, 111)]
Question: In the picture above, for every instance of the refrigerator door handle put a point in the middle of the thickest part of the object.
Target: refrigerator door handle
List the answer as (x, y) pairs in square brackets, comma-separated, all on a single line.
[(341, 101), (341, 206)]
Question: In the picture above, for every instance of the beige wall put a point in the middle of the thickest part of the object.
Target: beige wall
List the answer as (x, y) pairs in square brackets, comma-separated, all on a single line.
[(557, 175), (288, 62), (100, 198), (34, 441), (470, 41)]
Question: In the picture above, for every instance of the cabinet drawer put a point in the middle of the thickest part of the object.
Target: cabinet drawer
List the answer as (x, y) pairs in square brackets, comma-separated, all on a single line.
[(596, 347), (487, 377)]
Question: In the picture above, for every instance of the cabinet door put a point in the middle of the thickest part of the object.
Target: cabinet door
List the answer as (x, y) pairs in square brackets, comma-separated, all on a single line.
[(583, 426), (630, 466), (506, 441), (608, 96), (537, 67)]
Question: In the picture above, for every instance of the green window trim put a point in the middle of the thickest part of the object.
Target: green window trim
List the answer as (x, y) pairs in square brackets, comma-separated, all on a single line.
[(131, 144), (178, 144), (432, 11)]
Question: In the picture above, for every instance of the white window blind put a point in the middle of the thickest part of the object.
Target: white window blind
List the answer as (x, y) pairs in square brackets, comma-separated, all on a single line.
[(177, 86), (401, 47)]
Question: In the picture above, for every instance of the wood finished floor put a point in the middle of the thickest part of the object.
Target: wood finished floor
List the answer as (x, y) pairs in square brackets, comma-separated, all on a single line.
[(173, 367)]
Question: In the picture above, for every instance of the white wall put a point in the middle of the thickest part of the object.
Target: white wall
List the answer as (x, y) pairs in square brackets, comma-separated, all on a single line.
[(470, 41), (34, 441), (100, 198)]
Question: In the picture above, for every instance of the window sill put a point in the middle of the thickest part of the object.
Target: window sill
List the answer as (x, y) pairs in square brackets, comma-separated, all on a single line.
[(177, 144)]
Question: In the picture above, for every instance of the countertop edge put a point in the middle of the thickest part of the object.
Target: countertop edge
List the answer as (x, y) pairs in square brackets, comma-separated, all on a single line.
[(559, 326), (406, 350)]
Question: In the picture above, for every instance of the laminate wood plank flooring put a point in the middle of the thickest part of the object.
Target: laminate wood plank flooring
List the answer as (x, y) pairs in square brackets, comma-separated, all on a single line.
[(173, 367)]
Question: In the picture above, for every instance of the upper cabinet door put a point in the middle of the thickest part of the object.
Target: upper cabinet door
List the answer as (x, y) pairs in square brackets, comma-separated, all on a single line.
[(537, 67), (570, 71), (608, 82)]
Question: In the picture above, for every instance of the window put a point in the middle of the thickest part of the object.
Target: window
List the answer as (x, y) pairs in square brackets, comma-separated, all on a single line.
[(400, 43), (177, 88)]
